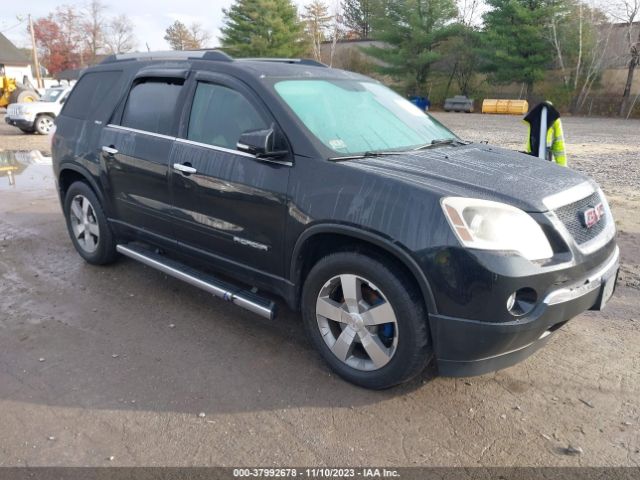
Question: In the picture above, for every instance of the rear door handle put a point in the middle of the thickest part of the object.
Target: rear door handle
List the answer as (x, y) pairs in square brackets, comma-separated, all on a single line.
[(184, 168), (109, 150)]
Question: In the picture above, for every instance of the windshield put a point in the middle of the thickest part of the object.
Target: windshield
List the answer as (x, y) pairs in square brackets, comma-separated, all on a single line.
[(51, 95), (352, 116)]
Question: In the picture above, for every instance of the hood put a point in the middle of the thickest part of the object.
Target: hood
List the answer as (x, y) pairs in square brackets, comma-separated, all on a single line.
[(477, 171)]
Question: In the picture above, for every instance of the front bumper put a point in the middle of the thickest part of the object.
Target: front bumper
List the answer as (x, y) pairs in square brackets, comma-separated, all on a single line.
[(25, 123), (470, 347)]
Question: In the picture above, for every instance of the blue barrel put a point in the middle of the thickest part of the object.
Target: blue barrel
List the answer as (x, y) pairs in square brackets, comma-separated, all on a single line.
[(422, 103)]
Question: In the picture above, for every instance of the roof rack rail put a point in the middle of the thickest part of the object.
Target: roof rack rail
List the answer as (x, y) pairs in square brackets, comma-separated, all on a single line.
[(217, 55), (297, 61)]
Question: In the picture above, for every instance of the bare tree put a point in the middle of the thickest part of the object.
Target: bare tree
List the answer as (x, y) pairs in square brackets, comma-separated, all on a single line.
[(181, 37), (317, 25), (199, 36), (469, 13), (336, 30), (580, 36), (119, 36), (70, 26), (628, 12), (93, 28)]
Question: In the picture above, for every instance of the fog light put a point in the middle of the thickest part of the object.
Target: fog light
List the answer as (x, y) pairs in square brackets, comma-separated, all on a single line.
[(522, 301)]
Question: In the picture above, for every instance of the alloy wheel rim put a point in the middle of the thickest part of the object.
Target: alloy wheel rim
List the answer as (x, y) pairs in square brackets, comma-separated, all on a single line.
[(357, 322), (45, 124), (84, 223)]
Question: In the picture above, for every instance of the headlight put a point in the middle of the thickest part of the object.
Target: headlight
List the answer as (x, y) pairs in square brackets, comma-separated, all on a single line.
[(488, 225)]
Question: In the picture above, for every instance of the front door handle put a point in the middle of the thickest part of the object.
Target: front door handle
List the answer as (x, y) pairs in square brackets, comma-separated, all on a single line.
[(187, 169), (109, 150)]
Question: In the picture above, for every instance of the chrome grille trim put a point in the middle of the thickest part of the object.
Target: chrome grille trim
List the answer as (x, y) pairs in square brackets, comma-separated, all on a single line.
[(568, 196), (604, 231)]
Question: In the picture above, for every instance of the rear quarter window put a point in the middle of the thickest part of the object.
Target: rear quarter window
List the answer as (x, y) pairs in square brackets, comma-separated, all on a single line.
[(152, 105), (91, 93)]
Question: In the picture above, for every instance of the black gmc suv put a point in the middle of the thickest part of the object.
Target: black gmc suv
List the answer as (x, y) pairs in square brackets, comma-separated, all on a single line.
[(398, 241)]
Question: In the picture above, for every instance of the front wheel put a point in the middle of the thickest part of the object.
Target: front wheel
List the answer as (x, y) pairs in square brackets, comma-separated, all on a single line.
[(367, 319), (44, 124)]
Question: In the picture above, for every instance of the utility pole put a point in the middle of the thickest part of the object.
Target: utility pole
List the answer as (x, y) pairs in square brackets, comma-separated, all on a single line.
[(35, 54)]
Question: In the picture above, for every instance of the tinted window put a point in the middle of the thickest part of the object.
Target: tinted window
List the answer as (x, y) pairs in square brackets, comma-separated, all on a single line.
[(90, 93), (220, 115), (151, 105)]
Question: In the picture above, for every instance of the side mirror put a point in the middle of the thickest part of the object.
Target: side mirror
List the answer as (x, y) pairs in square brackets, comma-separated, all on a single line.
[(261, 143)]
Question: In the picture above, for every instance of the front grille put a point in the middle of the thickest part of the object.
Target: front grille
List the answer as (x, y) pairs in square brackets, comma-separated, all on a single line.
[(12, 110), (571, 216)]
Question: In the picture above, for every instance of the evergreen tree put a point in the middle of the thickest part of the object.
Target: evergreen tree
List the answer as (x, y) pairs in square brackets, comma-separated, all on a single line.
[(412, 31), (263, 28), (357, 16), (517, 46)]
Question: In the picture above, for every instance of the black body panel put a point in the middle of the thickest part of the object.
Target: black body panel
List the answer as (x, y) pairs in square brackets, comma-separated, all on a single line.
[(252, 218)]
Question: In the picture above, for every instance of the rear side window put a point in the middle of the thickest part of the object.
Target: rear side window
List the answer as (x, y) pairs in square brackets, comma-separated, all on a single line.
[(220, 115), (90, 93), (151, 105)]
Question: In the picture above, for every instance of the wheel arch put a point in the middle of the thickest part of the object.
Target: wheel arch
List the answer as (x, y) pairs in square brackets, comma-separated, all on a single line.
[(70, 173), (305, 254)]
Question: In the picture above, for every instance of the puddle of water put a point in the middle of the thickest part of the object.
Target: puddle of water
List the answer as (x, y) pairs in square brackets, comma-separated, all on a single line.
[(22, 170)]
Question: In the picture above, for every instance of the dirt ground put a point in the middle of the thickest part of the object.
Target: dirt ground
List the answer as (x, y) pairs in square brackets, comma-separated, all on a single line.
[(120, 362)]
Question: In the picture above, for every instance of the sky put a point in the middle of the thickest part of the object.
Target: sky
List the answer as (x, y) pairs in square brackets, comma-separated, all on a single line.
[(151, 17)]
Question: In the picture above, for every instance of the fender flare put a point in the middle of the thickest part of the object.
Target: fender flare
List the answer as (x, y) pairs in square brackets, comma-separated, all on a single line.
[(393, 248)]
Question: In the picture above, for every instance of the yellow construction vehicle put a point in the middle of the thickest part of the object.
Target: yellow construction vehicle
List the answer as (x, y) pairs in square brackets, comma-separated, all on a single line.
[(14, 92)]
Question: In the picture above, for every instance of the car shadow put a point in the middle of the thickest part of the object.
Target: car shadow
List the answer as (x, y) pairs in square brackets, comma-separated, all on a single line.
[(126, 336)]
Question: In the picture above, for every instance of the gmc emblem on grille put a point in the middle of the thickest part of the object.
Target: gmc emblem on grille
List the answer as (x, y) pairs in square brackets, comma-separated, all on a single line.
[(592, 215)]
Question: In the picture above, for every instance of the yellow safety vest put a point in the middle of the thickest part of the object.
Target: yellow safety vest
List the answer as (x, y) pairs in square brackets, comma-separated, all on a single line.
[(555, 143)]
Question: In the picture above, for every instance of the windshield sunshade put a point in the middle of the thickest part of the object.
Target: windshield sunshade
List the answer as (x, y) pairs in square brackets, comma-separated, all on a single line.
[(351, 116)]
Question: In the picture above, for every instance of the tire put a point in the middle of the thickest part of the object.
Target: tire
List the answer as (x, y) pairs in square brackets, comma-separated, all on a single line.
[(43, 124), (371, 356), (87, 225), (22, 95)]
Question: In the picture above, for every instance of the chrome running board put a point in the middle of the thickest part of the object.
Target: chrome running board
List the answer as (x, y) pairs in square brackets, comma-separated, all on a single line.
[(238, 296)]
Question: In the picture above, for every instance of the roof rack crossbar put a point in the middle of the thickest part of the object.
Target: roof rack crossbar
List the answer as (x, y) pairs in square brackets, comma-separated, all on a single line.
[(170, 55)]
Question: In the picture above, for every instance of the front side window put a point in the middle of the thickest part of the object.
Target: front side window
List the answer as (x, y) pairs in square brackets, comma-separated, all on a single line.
[(219, 116), (353, 116), (151, 105)]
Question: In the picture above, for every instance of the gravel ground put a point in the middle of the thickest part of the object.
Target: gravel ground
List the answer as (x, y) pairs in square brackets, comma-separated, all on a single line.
[(124, 366)]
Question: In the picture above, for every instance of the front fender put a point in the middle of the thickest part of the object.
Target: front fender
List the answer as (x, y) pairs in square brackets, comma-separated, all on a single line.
[(373, 238)]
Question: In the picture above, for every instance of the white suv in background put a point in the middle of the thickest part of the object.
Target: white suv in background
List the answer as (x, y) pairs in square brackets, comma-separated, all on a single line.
[(38, 116)]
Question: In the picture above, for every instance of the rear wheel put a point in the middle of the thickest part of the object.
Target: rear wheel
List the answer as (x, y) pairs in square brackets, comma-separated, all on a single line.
[(43, 124), (87, 225), (367, 320)]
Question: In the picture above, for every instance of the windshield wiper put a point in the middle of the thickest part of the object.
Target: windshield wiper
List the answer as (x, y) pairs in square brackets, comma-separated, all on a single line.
[(440, 142), (383, 153), (370, 154)]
